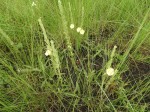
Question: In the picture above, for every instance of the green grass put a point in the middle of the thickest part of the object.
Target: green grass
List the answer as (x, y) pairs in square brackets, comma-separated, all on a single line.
[(73, 77)]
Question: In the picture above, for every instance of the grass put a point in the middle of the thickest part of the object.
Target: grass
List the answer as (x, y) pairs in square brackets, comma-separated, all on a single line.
[(73, 77)]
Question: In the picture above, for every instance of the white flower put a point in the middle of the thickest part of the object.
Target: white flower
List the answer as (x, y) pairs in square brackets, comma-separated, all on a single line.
[(110, 71), (115, 46), (72, 26), (82, 31), (33, 4), (48, 52), (78, 29)]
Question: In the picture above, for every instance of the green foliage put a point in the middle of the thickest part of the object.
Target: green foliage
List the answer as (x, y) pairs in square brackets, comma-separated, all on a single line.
[(74, 77)]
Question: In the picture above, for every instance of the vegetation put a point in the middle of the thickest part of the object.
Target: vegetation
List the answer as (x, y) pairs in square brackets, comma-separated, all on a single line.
[(74, 56)]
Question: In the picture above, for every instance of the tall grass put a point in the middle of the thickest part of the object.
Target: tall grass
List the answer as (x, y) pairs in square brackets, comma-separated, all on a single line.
[(73, 77)]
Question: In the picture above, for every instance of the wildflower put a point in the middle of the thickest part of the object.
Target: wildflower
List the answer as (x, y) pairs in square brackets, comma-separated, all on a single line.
[(69, 46), (79, 29), (33, 4), (82, 31), (110, 71), (72, 26), (115, 47), (47, 53)]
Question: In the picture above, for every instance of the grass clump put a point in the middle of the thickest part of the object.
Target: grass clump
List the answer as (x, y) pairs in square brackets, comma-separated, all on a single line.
[(68, 60)]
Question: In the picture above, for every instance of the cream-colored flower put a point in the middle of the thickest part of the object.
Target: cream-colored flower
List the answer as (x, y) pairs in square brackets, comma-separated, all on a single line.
[(72, 26), (82, 32), (79, 29), (33, 4), (115, 46), (48, 52), (110, 71)]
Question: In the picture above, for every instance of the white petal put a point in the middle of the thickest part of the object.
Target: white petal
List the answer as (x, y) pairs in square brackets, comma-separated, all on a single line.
[(78, 29), (72, 26), (110, 71), (82, 31), (115, 46), (47, 53), (33, 4)]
